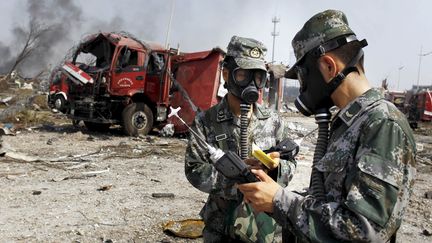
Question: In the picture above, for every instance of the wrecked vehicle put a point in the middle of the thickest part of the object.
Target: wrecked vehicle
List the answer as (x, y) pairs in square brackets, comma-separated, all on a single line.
[(397, 98), (114, 78), (419, 107)]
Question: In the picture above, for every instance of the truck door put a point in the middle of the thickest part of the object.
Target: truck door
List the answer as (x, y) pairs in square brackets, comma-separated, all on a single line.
[(154, 86), (128, 72)]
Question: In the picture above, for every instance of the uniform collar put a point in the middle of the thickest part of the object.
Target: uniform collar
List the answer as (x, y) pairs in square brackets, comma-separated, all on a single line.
[(350, 112), (224, 113), (261, 112)]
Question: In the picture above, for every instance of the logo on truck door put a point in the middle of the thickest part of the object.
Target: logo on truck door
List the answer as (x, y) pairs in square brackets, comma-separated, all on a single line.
[(125, 82)]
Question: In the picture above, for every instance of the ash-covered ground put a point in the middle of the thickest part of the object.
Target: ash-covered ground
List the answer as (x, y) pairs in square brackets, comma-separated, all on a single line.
[(61, 183)]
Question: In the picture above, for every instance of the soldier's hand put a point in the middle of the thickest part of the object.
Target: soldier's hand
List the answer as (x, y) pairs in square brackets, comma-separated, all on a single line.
[(276, 158), (255, 164), (260, 194)]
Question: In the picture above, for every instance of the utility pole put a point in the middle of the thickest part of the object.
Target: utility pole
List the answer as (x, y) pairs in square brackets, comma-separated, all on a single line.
[(400, 68), (169, 24), (420, 57), (275, 20), (274, 86)]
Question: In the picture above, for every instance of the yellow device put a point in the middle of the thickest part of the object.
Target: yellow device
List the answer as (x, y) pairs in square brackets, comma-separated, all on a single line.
[(263, 157)]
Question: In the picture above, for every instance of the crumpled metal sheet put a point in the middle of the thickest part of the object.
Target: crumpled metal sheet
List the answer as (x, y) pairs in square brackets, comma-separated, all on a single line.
[(188, 228), (278, 70), (6, 131)]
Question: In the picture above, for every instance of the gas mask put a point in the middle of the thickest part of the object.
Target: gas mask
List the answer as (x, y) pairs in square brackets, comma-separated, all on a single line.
[(315, 92), (245, 83)]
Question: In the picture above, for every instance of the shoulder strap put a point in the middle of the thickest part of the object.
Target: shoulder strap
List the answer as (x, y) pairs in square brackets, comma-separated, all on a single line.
[(221, 131)]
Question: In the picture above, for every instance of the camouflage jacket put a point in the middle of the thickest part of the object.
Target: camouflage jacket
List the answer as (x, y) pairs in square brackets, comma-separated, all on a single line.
[(265, 129), (369, 171)]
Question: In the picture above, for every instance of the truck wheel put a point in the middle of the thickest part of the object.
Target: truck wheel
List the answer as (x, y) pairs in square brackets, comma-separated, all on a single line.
[(137, 119), (97, 127), (60, 103)]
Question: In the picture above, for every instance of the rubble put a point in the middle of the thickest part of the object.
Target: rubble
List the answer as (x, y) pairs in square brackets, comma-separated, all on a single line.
[(105, 188), (5, 101), (427, 232), (188, 228), (143, 177), (163, 194), (7, 129), (167, 130)]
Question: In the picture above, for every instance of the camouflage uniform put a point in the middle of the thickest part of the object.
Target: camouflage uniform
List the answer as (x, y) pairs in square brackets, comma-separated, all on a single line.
[(369, 171), (227, 218), (266, 129), (369, 166)]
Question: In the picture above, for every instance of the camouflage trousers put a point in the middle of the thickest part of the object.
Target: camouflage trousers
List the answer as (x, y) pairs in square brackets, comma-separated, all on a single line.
[(234, 221)]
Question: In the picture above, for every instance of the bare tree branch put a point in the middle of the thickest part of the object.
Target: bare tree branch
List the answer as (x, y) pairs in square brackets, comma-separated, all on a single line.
[(35, 32)]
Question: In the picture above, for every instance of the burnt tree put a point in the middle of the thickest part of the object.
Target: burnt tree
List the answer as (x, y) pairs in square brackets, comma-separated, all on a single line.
[(33, 37)]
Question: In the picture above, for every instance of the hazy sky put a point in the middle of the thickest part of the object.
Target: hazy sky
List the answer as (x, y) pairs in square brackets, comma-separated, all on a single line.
[(395, 29)]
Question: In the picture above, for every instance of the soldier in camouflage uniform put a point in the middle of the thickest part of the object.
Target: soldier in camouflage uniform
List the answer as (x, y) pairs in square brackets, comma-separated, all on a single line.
[(369, 166), (227, 218)]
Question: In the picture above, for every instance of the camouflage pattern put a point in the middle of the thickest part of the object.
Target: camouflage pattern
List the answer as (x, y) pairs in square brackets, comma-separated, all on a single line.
[(369, 171), (248, 53), (225, 206), (319, 29)]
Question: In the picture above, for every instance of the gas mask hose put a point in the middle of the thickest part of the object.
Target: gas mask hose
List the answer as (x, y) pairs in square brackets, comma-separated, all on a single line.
[(322, 118), (244, 123)]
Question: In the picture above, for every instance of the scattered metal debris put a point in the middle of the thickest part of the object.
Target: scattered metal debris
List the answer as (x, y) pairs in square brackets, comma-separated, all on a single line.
[(35, 192), (163, 194), (6, 100), (7, 129), (83, 175), (105, 188), (167, 130), (188, 228)]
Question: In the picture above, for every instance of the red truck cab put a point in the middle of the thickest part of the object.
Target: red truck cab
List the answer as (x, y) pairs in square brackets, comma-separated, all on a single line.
[(118, 79)]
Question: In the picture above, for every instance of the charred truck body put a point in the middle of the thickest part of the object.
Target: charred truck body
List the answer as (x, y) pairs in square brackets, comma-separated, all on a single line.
[(117, 79), (419, 107), (416, 104)]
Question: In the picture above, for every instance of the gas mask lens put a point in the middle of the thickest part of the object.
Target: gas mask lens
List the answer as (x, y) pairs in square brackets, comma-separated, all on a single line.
[(243, 77), (260, 78)]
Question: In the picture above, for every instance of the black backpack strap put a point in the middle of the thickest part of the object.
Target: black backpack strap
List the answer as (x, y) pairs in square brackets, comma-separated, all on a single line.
[(222, 132)]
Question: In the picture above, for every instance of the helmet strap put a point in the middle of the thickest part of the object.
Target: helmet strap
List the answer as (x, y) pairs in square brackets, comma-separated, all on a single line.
[(350, 67)]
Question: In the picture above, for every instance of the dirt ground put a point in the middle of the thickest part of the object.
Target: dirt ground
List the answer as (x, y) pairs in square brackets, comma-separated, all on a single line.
[(61, 183)]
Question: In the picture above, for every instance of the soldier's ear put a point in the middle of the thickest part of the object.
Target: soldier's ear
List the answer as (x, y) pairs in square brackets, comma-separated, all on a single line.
[(225, 73), (328, 67)]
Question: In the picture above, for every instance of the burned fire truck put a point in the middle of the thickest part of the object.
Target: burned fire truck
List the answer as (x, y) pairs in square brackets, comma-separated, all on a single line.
[(419, 107), (114, 78)]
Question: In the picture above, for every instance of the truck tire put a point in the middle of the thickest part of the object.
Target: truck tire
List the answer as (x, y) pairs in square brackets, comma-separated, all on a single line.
[(137, 119), (60, 103), (97, 127)]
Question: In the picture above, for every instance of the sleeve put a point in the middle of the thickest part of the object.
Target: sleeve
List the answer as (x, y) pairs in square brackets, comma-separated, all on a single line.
[(378, 190), (198, 167)]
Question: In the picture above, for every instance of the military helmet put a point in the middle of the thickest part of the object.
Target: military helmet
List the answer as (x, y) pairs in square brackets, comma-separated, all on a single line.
[(318, 30), (248, 53)]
